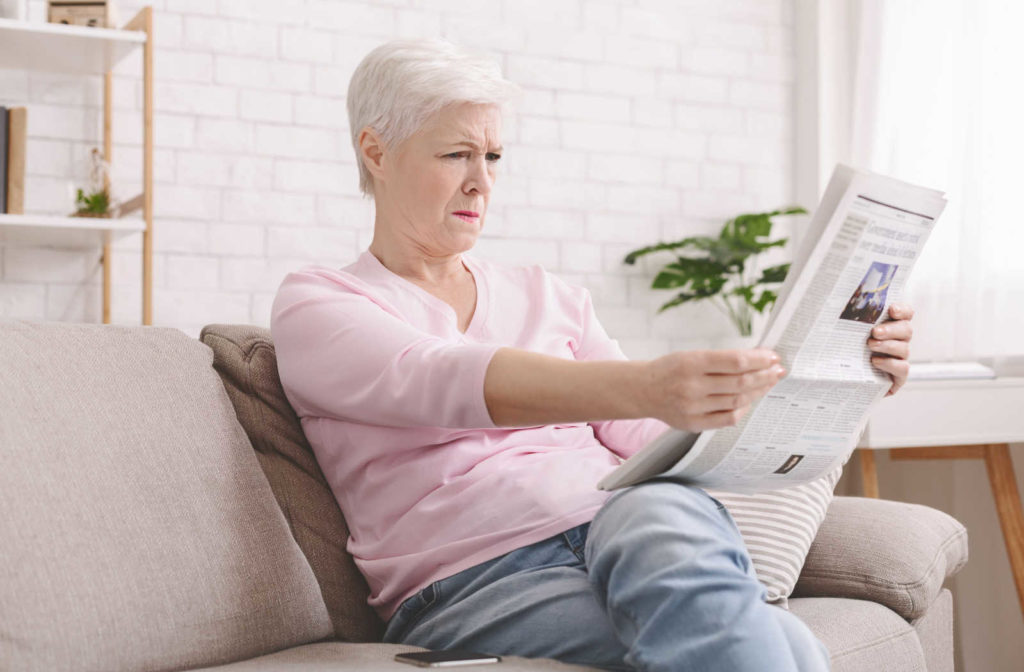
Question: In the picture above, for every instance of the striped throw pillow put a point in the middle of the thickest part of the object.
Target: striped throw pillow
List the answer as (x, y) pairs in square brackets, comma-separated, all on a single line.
[(778, 528)]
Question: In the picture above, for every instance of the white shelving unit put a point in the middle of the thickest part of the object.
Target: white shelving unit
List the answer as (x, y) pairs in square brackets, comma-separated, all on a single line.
[(77, 50), (73, 50)]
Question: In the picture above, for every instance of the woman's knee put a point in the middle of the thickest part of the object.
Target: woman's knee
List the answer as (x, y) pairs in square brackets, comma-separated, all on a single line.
[(660, 499), (669, 514)]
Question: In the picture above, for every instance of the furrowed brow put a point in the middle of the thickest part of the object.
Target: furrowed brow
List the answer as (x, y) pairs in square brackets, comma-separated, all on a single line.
[(476, 146)]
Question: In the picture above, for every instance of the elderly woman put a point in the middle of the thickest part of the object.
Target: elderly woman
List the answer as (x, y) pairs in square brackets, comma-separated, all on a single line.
[(463, 411)]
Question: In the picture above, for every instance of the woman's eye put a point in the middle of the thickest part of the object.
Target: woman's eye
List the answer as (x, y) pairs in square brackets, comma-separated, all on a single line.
[(491, 156)]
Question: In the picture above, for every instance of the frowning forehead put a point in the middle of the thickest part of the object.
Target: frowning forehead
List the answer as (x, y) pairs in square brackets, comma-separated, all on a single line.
[(475, 135), (470, 125)]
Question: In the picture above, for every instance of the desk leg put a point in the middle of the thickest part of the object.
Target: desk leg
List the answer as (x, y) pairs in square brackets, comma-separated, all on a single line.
[(868, 472), (1004, 489)]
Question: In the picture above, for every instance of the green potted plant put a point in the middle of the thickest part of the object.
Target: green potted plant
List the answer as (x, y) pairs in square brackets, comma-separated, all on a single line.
[(722, 270), (97, 203)]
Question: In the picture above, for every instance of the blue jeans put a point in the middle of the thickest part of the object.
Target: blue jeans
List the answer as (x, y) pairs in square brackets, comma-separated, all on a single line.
[(659, 580)]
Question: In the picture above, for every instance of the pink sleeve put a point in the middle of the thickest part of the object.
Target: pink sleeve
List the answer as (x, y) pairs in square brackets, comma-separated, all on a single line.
[(341, 355), (623, 437)]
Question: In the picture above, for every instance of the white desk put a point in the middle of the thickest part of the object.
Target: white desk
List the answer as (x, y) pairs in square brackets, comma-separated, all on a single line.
[(954, 419)]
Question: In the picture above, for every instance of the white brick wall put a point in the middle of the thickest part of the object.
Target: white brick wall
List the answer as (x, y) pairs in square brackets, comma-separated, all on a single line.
[(643, 120)]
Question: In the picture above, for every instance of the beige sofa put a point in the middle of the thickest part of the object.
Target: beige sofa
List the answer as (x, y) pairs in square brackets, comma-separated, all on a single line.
[(160, 509)]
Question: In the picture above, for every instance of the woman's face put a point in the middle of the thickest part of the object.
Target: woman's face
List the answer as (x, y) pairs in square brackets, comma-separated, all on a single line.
[(437, 185)]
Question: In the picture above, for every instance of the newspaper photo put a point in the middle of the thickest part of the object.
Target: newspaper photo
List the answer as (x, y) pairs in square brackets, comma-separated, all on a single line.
[(859, 250)]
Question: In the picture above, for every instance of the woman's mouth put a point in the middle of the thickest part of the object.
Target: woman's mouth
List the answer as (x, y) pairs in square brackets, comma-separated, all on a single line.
[(467, 215)]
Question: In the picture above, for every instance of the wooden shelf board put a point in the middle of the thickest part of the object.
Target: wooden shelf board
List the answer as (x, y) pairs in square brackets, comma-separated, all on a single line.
[(59, 48)]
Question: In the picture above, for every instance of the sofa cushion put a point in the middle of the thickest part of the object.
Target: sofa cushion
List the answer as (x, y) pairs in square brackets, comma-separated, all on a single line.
[(339, 657), (245, 359), (778, 527), (138, 530), (894, 553), (861, 635)]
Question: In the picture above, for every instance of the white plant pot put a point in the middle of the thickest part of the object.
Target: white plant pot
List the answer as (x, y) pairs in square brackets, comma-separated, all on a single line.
[(737, 342)]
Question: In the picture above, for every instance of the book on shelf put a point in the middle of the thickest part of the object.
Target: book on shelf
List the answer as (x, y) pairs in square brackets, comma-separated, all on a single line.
[(3, 159), (17, 139)]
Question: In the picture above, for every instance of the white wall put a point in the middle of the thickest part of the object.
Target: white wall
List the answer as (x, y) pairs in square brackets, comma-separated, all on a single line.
[(642, 120)]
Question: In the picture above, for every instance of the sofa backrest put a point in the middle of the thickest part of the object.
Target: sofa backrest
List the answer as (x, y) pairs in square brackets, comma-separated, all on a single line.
[(138, 532), (245, 359)]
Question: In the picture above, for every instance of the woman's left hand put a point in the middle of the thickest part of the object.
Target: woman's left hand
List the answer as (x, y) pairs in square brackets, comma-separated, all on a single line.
[(890, 341)]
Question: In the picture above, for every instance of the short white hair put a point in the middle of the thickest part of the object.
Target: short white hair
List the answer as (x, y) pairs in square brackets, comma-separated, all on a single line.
[(402, 83)]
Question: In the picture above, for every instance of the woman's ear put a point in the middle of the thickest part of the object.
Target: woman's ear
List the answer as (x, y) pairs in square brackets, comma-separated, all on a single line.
[(372, 151)]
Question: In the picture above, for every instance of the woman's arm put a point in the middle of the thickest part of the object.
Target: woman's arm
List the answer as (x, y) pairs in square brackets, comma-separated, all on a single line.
[(695, 390)]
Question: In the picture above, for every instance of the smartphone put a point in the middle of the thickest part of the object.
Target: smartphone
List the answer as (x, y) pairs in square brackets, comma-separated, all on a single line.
[(451, 658)]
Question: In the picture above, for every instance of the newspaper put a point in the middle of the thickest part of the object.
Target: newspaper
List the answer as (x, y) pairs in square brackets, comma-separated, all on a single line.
[(861, 245)]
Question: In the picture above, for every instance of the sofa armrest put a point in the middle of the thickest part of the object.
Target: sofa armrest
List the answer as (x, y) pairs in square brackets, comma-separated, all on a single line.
[(893, 553)]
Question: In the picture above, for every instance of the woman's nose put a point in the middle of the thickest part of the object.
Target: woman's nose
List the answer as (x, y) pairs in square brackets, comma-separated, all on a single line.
[(479, 177)]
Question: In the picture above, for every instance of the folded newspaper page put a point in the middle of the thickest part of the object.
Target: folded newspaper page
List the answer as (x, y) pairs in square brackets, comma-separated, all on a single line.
[(859, 250)]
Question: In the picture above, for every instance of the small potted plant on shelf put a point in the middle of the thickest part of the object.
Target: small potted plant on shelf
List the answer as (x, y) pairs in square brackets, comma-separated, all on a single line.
[(722, 270), (97, 203)]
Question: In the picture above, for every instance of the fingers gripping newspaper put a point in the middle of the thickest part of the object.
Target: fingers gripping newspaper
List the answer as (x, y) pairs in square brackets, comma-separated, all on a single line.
[(858, 253)]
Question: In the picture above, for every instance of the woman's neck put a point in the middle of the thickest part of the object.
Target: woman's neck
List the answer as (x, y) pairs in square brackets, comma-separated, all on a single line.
[(415, 265)]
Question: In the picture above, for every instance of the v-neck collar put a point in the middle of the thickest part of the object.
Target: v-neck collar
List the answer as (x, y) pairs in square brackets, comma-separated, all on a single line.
[(482, 302)]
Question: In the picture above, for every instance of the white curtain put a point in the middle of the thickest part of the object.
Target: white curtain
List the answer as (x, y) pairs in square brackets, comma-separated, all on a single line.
[(938, 95)]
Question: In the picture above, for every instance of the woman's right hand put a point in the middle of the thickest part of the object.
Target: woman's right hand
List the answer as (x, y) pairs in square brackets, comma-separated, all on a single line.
[(708, 389)]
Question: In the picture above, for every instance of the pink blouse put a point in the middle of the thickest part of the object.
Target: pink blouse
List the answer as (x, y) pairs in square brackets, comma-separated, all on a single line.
[(390, 395)]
